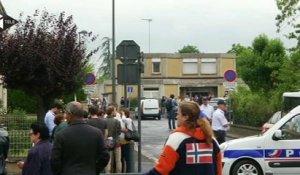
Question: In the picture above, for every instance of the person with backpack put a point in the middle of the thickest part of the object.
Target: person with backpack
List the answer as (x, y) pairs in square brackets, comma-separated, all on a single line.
[(171, 106)]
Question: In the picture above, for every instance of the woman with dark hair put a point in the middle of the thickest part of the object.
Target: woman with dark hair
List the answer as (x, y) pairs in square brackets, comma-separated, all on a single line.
[(191, 148), (38, 158)]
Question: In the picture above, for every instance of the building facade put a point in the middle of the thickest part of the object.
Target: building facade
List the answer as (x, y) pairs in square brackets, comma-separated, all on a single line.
[(189, 74)]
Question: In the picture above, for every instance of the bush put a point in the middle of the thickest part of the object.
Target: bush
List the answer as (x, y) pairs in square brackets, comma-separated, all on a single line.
[(250, 108), (18, 99)]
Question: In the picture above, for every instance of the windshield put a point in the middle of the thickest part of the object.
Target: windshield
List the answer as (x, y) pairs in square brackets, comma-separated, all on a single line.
[(289, 103)]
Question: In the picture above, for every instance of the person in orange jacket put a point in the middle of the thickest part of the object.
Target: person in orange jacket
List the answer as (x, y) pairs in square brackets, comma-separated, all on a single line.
[(191, 148)]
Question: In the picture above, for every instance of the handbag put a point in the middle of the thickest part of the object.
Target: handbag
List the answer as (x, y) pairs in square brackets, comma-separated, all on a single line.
[(132, 135)]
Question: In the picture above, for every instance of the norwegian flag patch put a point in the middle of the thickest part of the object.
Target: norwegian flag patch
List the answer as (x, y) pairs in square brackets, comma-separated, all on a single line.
[(199, 153)]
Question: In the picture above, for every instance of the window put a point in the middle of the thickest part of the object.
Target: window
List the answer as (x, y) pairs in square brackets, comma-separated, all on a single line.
[(155, 65), (190, 66), (208, 66), (151, 93), (291, 129)]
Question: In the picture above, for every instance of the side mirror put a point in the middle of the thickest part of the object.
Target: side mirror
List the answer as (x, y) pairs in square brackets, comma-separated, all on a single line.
[(277, 135)]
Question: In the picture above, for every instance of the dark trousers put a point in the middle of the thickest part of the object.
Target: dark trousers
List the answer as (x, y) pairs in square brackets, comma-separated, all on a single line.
[(127, 155), (220, 136), (171, 119)]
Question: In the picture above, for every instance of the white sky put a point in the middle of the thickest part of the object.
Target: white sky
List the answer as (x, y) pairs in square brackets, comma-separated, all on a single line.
[(211, 25)]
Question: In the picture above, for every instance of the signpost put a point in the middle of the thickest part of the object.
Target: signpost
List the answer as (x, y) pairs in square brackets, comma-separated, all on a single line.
[(6, 22), (230, 76), (129, 54)]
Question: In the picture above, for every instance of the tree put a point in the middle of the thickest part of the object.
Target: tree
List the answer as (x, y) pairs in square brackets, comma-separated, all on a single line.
[(105, 68), (189, 49), (290, 74), (260, 64), (289, 12), (43, 57)]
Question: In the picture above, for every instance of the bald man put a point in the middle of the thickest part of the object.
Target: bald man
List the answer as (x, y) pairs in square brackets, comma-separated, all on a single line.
[(80, 148)]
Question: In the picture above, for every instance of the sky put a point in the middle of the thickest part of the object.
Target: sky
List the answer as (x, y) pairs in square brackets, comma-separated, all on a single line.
[(211, 25)]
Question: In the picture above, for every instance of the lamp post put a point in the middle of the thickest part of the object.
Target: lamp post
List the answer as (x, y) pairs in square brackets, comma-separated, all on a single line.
[(149, 21), (113, 74)]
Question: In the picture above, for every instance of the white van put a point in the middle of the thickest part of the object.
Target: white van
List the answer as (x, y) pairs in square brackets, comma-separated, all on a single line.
[(150, 109), (275, 152)]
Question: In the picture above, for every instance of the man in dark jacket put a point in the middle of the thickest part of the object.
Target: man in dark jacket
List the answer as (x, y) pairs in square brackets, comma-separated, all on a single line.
[(80, 148)]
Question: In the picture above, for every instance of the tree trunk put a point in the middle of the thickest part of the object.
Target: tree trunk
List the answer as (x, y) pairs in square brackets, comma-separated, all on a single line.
[(44, 104)]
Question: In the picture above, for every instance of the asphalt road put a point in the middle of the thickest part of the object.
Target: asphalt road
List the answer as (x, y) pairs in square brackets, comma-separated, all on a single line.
[(154, 136)]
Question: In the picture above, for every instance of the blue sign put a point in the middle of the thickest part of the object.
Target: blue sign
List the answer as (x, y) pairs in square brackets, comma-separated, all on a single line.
[(90, 79), (230, 75), (129, 89)]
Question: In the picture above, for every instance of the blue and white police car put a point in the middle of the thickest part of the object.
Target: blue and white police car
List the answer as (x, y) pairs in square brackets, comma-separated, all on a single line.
[(275, 152)]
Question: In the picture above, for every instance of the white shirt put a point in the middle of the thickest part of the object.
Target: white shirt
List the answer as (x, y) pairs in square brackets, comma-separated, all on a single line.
[(49, 121), (219, 120), (208, 110)]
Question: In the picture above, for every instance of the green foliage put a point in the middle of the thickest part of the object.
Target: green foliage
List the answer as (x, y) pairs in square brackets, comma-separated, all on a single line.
[(189, 49), (18, 99), (133, 103), (259, 65), (288, 16), (106, 67), (290, 73), (251, 108)]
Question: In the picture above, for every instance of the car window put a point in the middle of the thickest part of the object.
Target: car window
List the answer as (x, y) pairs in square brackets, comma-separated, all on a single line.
[(291, 129)]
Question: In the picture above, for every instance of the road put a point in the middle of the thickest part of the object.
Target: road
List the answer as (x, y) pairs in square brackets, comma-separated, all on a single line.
[(154, 135)]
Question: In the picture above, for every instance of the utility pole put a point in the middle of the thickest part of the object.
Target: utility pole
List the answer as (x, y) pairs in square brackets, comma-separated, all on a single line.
[(113, 74), (149, 21)]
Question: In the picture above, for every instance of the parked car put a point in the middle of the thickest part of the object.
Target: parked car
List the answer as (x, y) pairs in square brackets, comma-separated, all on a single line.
[(214, 101), (149, 109), (274, 119)]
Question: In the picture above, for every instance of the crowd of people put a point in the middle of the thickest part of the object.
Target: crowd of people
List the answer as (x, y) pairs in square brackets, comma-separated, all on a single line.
[(90, 142), (80, 142)]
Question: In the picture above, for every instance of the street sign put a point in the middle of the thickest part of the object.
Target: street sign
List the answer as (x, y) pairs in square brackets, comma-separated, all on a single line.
[(230, 75), (128, 51), (89, 89), (129, 89), (230, 85), (128, 74), (6, 22), (89, 79)]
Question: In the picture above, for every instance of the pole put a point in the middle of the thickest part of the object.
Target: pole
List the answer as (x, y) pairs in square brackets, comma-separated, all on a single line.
[(113, 76), (149, 35), (139, 115), (149, 40)]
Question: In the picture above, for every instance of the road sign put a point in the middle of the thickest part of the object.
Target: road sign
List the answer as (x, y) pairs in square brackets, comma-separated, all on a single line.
[(128, 51), (230, 75), (90, 79), (129, 89), (230, 85), (89, 89), (6, 22)]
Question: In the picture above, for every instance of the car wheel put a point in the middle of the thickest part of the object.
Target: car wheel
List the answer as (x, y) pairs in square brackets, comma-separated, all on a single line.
[(246, 167), (159, 117)]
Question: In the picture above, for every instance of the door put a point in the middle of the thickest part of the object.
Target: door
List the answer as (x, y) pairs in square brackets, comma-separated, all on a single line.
[(282, 157)]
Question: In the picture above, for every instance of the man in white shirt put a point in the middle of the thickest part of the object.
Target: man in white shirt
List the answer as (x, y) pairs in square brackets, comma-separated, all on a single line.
[(206, 108), (219, 122), (50, 115)]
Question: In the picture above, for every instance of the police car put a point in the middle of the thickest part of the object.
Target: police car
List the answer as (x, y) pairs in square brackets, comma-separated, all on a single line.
[(275, 152)]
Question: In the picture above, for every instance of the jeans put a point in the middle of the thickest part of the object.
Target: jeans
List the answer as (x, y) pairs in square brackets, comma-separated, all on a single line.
[(128, 157), (171, 119)]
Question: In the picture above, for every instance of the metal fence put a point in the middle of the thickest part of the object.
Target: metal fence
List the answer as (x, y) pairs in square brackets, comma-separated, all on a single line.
[(18, 132)]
